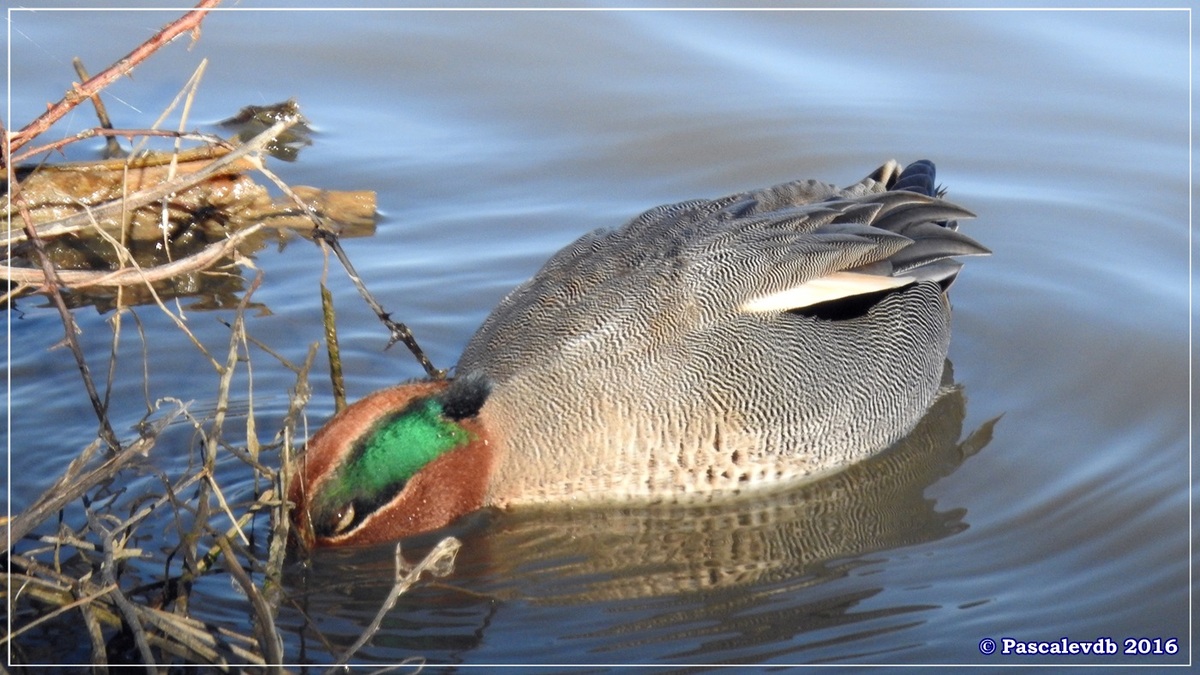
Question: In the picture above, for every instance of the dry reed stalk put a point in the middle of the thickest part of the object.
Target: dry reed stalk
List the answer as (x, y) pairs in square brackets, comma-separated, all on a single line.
[(156, 617), (110, 604), (329, 319), (70, 328), (73, 484), (270, 645), (178, 636)]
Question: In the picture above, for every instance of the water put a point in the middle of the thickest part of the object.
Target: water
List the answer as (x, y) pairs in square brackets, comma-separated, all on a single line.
[(494, 138)]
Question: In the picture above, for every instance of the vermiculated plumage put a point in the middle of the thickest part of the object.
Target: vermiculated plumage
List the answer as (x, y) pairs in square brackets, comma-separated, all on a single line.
[(650, 360)]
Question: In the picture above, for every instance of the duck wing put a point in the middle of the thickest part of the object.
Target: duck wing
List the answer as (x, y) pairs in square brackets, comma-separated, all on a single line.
[(784, 248)]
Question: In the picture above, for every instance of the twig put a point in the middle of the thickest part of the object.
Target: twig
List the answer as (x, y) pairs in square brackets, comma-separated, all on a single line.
[(180, 636), (211, 443), (324, 235), (199, 639), (111, 147), (186, 93), (281, 524), (226, 371), (224, 504), (190, 87), (211, 439), (96, 635), (209, 140), (205, 563), (59, 610), (127, 609), (188, 22), (69, 325), (439, 562), (145, 343), (122, 255), (399, 332), (125, 256), (253, 449), (250, 339), (281, 479), (129, 276)]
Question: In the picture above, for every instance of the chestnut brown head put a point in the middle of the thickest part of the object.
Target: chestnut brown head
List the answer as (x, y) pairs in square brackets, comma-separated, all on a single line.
[(399, 462)]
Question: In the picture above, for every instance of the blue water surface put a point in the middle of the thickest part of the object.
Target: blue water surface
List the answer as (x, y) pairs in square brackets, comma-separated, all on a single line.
[(1050, 497)]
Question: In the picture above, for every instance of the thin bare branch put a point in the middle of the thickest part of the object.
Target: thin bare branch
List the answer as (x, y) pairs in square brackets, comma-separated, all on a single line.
[(129, 276), (439, 562), (111, 147), (70, 328), (327, 236), (218, 144), (399, 331), (104, 590), (128, 610), (82, 92)]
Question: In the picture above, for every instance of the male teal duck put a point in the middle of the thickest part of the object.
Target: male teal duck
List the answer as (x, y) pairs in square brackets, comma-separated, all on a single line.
[(704, 348)]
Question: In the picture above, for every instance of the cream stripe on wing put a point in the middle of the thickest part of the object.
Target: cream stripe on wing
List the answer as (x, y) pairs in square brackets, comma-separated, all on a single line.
[(823, 289)]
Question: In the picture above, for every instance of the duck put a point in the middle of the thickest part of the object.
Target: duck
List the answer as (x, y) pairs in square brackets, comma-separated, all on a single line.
[(705, 348)]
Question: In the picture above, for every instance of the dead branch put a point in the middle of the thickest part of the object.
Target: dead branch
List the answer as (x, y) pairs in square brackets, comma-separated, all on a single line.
[(125, 606), (179, 636), (215, 146), (142, 198), (82, 92), (399, 331), (111, 147), (439, 562), (325, 235), (127, 276)]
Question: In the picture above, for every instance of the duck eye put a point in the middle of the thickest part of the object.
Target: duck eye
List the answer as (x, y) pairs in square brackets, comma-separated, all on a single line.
[(336, 521), (343, 518)]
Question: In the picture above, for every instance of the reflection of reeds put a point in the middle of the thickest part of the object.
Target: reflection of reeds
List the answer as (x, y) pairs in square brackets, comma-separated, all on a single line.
[(92, 562)]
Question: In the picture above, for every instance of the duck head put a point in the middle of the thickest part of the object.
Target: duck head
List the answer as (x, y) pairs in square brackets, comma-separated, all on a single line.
[(399, 462)]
